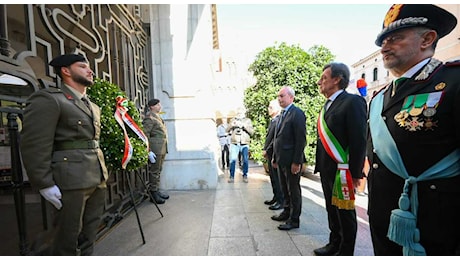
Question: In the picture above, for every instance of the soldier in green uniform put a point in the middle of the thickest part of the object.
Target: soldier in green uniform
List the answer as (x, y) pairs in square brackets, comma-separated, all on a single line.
[(61, 154), (414, 139), (155, 130)]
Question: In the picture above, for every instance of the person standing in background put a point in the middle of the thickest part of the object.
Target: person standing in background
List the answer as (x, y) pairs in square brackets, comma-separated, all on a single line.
[(277, 201), (224, 142), (361, 84), (289, 156), (155, 130), (61, 154), (241, 130), (340, 155), (414, 141)]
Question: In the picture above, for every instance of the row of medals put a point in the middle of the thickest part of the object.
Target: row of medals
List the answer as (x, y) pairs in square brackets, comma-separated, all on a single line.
[(412, 121)]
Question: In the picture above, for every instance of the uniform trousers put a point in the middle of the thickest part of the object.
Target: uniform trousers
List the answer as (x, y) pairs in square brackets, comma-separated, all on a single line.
[(76, 224), (155, 172)]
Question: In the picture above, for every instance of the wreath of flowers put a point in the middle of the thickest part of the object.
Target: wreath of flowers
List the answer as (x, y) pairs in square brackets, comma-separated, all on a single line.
[(104, 94)]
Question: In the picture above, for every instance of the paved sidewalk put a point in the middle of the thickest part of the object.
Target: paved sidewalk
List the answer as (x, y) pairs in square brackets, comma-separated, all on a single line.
[(229, 221)]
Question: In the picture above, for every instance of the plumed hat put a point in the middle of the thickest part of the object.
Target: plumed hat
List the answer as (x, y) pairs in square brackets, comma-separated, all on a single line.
[(67, 60), (153, 102), (412, 15)]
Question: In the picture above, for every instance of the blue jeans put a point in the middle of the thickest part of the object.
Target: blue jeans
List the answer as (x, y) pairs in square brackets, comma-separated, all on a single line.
[(235, 149)]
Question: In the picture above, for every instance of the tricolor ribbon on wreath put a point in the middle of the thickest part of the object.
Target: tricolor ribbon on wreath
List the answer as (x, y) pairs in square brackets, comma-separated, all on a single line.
[(343, 195), (122, 117)]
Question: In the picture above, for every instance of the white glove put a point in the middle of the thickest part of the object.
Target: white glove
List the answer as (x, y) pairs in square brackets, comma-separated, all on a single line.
[(152, 157), (53, 195)]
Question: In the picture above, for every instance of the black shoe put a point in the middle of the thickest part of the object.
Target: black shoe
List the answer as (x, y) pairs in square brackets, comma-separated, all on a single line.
[(326, 250), (275, 206), (163, 195), (157, 198), (270, 202), (281, 217), (288, 226)]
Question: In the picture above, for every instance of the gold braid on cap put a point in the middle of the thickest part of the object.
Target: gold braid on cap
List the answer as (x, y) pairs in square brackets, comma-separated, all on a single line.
[(392, 14)]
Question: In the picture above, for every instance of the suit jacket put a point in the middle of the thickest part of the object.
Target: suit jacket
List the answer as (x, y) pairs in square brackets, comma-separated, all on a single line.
[(422, 143), (346, 118), (268, 145), (155, 130), (53, 116), (290, 138)]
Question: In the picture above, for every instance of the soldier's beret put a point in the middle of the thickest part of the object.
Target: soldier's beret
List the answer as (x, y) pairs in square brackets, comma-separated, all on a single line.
[(416, 15), (67, 60), (153, 102)]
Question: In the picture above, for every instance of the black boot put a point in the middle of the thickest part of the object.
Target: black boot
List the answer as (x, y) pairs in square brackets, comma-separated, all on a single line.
[(163, 195), (157, 198)]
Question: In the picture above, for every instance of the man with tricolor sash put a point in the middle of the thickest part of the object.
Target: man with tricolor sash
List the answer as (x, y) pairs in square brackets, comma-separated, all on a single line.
[(413, 146), (340, 155)]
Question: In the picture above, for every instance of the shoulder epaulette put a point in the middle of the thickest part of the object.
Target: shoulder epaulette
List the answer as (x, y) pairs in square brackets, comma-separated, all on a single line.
[(53, 90), (452, 63)]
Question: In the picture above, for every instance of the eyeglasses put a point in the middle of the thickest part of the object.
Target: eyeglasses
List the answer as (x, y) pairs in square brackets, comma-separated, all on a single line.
[(393, 39)]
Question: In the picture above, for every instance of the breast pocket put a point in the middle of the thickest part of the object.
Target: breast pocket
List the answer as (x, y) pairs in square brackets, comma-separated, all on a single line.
[(81, 126), (66, 167)]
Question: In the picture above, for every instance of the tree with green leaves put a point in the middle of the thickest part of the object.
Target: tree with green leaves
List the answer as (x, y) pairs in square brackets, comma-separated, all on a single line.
[(278, 66)]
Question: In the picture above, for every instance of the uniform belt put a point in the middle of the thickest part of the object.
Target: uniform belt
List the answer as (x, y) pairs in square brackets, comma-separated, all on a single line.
[(71, 145), (222, 136)]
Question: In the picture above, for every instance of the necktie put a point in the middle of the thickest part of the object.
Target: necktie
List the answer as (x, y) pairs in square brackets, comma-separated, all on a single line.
[(396, 84), (86, 101), (326, 106), (280, 119)]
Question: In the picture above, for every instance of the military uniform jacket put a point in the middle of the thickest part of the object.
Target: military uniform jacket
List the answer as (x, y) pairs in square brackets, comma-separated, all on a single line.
[(155, 130), (422, 140), (52, 117)]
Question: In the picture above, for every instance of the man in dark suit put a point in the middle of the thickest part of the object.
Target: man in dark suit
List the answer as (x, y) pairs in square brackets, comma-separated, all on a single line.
[(278, 199), (340, 154), (289, 156), (61, 154), (414, 140)]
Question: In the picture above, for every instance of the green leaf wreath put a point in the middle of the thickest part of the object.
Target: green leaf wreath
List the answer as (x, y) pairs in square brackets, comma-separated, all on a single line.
[(112, 141)]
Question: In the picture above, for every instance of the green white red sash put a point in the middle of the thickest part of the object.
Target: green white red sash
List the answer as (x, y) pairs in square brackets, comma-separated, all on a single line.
[(343, 195), (122, 117)]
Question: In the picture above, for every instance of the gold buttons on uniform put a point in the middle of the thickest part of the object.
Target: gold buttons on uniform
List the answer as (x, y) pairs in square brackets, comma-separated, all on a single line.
[(375, 166)]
